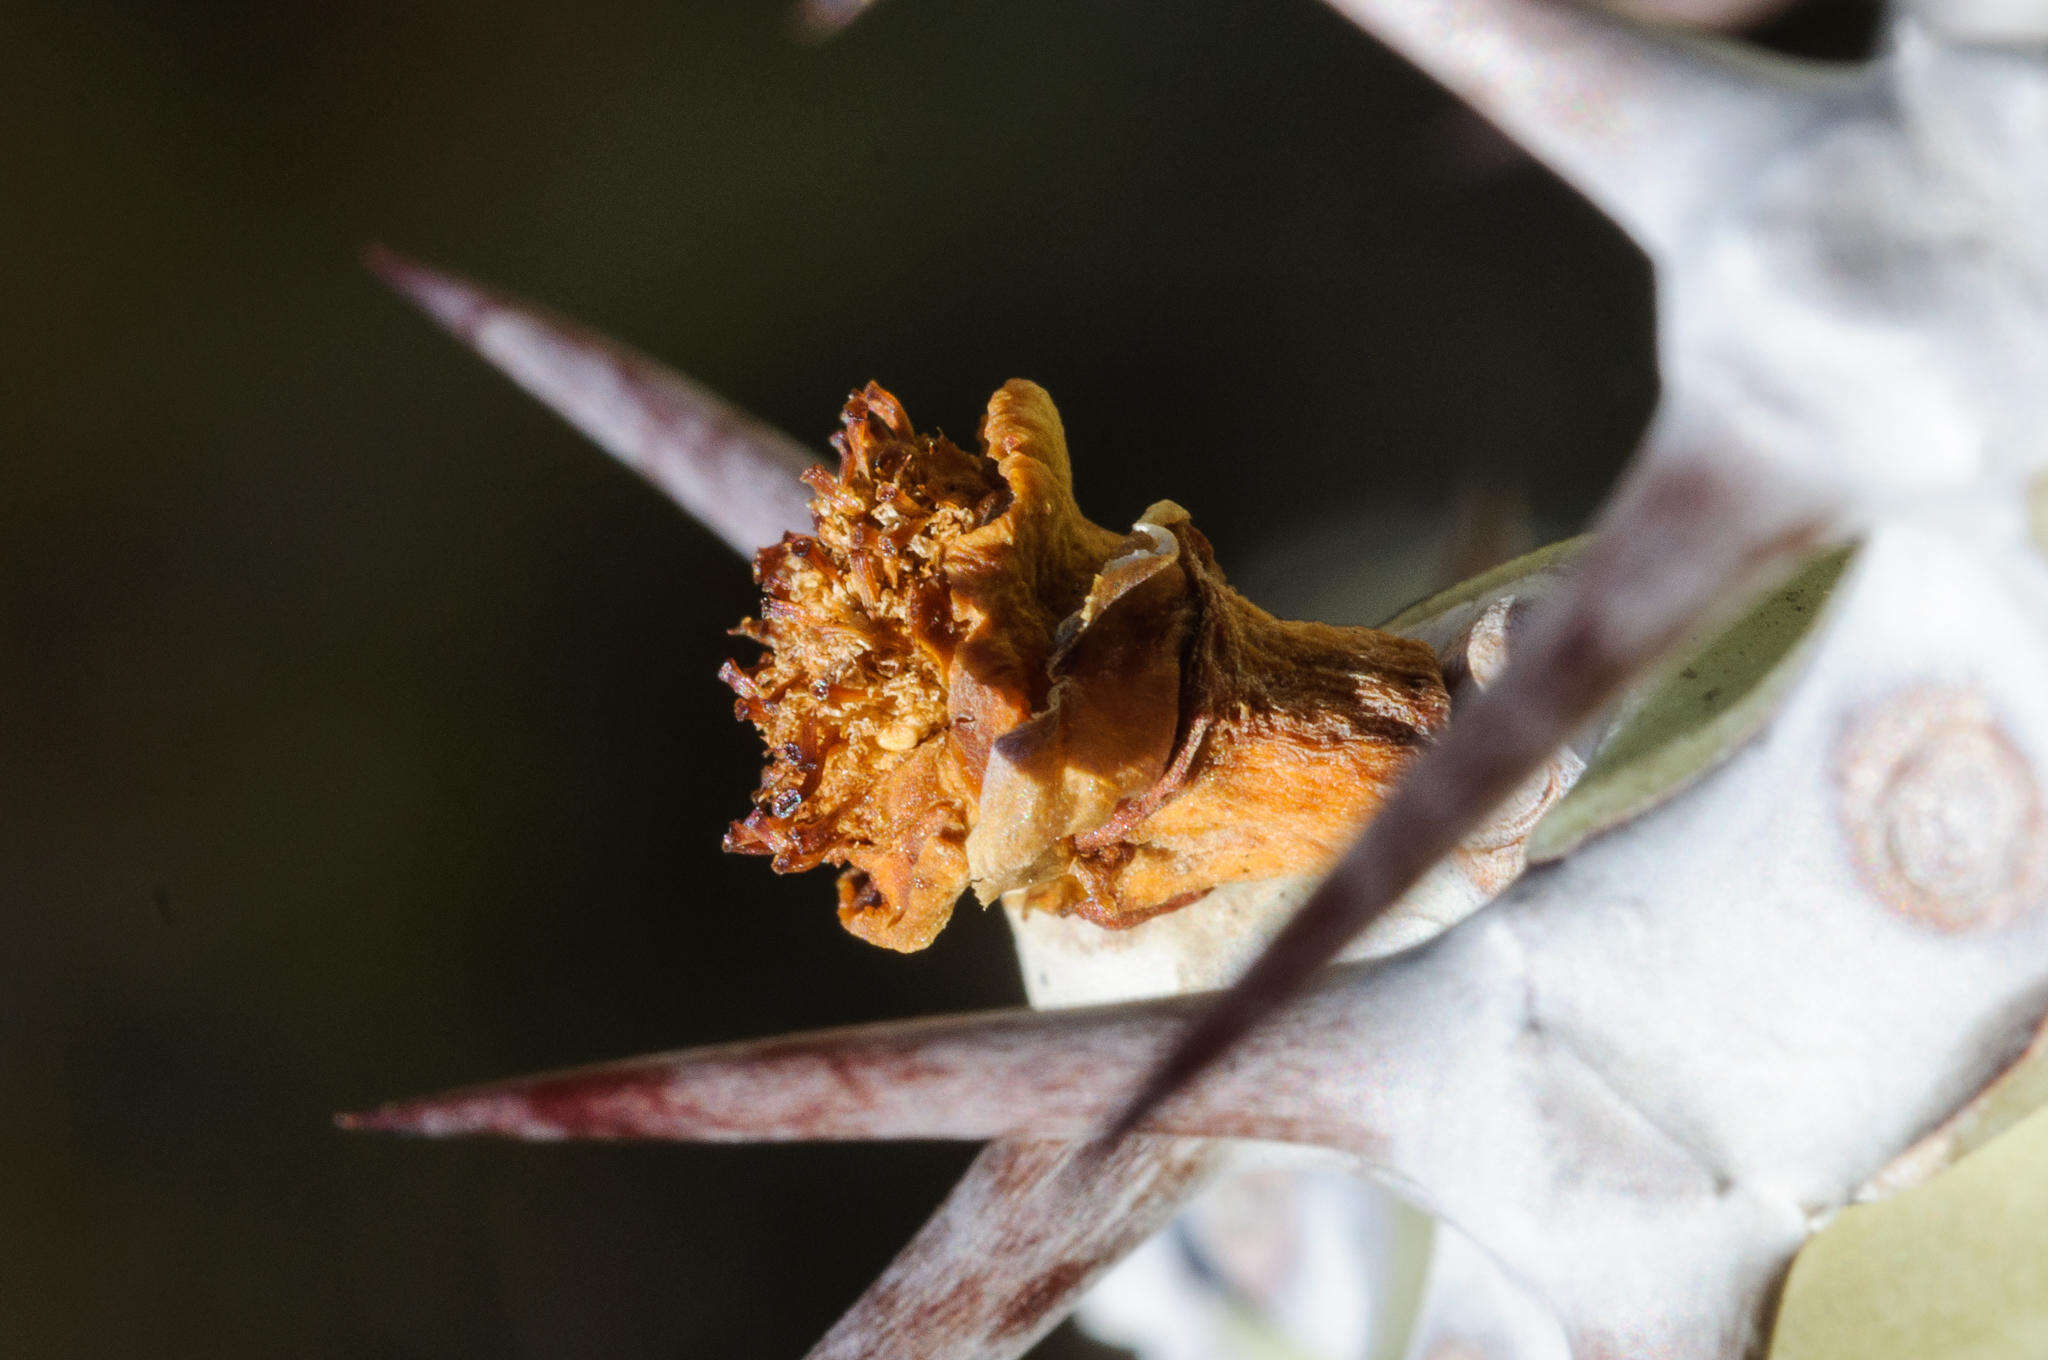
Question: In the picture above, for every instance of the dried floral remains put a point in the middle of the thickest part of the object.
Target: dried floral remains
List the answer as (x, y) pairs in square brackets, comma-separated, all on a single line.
[(966, 683)]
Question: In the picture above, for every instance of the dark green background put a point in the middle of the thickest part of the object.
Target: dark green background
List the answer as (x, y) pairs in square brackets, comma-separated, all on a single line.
[(358, 724)]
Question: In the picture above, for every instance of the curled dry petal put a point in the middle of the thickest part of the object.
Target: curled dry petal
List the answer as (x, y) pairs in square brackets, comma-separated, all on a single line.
[(967, 683)]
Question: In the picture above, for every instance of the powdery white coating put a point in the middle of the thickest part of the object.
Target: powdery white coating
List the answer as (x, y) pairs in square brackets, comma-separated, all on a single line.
[(1820, 983), (1474, 1311), (1872, 307), (1989, 21), (1721, 967)]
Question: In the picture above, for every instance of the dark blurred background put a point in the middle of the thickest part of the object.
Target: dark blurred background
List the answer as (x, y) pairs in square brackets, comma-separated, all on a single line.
[(360, 728)]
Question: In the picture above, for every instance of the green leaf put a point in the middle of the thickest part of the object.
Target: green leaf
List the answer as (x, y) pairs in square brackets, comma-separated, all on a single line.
[(1486, 584), (1956, 1268), (1693, 714)]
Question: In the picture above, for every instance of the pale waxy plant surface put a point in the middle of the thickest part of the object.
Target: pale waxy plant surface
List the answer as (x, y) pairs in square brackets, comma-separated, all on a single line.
[(1788, 932)]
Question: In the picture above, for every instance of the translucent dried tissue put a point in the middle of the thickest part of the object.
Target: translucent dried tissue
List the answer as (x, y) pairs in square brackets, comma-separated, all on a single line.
[(967, 683)]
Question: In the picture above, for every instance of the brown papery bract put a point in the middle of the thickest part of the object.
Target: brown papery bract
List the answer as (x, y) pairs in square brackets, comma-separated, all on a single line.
[(967, 683)]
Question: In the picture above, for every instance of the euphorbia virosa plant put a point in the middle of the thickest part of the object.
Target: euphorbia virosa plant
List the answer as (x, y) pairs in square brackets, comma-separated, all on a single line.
[(1791, 925)]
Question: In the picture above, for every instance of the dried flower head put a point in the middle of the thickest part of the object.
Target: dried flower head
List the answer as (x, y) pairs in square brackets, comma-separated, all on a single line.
[(968, 683)]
